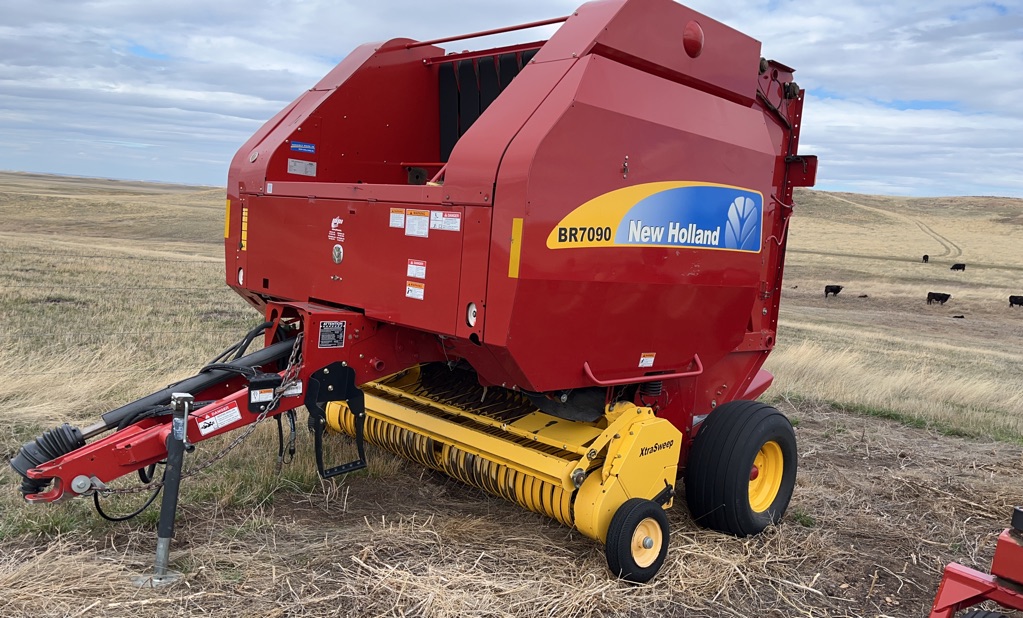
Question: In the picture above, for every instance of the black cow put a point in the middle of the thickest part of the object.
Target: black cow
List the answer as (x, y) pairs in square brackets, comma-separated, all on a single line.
[(937, 297), (959, 316), (832, 289), (1016, 301), (958, 267), (862, 296), (926, 257)]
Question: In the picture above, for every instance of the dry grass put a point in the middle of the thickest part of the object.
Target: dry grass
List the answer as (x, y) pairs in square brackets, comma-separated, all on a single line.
[(879, 507), (890, 353)]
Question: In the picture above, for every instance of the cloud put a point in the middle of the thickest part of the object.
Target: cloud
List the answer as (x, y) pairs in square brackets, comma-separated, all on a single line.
[(912, 151), (907, 98)]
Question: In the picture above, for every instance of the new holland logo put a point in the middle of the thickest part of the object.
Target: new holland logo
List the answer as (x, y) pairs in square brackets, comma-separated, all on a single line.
[(695, 215), (660, 446)]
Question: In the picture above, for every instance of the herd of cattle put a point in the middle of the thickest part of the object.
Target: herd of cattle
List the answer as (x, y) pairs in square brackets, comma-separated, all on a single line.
[(932, 297)]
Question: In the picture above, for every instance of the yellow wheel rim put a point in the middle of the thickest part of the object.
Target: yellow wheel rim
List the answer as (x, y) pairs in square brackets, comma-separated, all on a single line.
[(765, 477), (646, 542)]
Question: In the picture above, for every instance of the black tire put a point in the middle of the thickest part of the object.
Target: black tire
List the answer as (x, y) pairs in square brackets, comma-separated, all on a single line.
[(626, 556), (979, 613), (719, 473)]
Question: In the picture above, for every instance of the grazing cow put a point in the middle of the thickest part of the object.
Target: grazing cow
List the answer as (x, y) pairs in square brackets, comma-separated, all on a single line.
[(1016, 301), (937, 297), (832, 289), (926, 257), (959, 316), (862, 296), (958, 267)]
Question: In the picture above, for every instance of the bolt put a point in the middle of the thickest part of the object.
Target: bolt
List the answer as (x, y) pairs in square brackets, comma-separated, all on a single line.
[(648, 543), (591, 455), (330, 387), (326, 370), (764, 311)]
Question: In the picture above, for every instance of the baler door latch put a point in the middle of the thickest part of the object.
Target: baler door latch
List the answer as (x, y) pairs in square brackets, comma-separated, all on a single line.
[(335, 382)]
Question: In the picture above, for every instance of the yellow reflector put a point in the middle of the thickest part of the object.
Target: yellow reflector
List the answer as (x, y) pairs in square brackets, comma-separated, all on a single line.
[(516, 248)]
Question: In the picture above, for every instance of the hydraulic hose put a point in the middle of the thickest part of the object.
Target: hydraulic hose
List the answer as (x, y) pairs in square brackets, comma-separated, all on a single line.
[(195, 384)]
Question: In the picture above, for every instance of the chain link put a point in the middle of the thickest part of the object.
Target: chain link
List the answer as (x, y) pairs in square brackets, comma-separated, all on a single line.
[(289, 379)]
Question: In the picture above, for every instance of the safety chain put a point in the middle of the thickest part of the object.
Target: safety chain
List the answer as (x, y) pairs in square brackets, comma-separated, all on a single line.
[(289, 378)]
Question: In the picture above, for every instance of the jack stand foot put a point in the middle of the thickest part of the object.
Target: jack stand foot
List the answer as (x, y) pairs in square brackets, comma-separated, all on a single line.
[(157, 581)]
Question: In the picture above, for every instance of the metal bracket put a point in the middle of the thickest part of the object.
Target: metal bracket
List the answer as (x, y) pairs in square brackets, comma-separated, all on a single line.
[(666, 494), (335, 382), (261, 391)]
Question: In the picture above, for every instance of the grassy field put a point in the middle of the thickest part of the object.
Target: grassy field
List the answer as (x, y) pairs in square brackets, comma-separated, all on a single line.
[(888, 352), (908, 421)]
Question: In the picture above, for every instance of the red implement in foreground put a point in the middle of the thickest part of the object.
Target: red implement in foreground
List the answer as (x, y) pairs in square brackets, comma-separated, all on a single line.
[(963, 587), (551, 270)]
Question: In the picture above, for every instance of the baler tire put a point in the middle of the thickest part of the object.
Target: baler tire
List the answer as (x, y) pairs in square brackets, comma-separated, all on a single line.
[(979, 613), (634, 522), (737, 444)]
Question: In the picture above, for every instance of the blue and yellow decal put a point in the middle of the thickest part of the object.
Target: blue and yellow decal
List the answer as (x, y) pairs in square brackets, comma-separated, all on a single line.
[(697, 215)]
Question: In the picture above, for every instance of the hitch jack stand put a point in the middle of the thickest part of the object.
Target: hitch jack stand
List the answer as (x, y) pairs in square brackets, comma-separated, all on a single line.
[(176, 447)]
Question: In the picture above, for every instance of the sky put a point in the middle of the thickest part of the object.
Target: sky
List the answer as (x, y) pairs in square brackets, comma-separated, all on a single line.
[(904, 97)]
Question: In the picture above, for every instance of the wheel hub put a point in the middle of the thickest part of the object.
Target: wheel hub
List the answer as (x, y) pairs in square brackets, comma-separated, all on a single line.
[(646, 542), (765, 476)]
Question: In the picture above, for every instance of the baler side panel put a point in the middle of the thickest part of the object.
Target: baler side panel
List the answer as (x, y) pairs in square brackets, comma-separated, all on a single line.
[(351, 255), (674, 133), (473, 280)]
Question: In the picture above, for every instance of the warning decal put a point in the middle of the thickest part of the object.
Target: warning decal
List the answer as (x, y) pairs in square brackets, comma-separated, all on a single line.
[(414, 289), (397, 218), (416, 269), (332, 334), (449, 221), (219, 418), (647, 359), (417, 223)]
